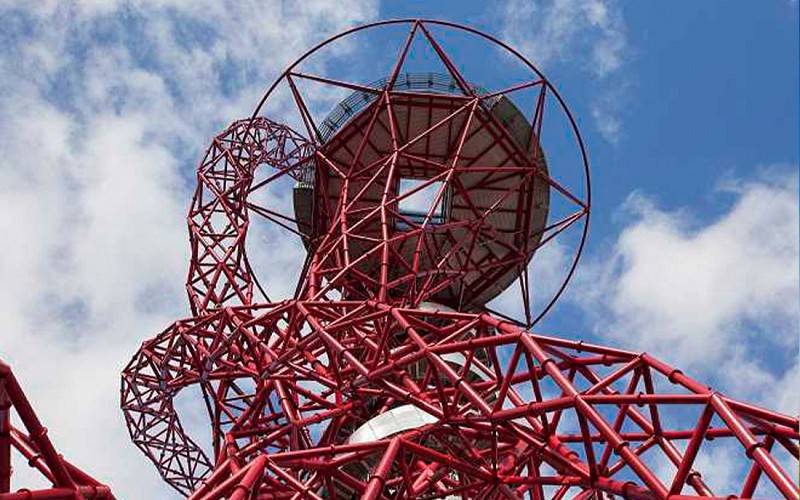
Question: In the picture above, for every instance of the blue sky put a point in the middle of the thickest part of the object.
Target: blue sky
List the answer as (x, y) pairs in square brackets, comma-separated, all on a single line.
[(689, 111)]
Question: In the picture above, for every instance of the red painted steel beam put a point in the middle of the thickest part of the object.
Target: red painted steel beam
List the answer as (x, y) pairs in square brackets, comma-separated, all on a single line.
[(69, 482)]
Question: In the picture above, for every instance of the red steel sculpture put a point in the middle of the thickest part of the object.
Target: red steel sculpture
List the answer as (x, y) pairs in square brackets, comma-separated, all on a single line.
[(419, 199), (35, 447)]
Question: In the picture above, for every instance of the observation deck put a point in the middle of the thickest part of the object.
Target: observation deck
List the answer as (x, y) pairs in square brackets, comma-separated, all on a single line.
[(447, 170)]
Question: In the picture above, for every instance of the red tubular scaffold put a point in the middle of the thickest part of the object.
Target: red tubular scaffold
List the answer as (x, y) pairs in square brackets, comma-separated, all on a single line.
[(68, 481), (420, 198)]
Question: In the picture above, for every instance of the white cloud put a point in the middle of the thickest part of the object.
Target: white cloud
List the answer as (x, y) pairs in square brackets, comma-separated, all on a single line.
[(105, 108), (717, 298), (590, 33)]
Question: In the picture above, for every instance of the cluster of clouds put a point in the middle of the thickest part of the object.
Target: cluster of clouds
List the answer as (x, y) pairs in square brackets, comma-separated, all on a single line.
[(106, 105), (719, 298)]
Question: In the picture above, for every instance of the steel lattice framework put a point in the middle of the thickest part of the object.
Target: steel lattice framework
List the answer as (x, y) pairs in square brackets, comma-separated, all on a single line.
[(34, 446), (386, 376)]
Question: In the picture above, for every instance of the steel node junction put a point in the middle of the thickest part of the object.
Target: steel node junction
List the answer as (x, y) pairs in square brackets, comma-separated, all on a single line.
[(419, 198)]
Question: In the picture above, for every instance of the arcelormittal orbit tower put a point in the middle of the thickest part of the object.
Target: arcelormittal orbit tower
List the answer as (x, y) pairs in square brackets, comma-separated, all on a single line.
[(420, 195)]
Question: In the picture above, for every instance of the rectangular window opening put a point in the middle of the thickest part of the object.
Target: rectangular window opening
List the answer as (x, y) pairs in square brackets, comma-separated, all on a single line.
[(416, 205)]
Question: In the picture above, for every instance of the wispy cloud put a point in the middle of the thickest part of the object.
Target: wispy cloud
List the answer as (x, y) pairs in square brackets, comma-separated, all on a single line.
[(589, 33), (562, 30), (105, 108)]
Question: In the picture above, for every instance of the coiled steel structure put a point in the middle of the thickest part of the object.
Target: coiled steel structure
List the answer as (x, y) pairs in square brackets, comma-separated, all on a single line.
[(419, 199)]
